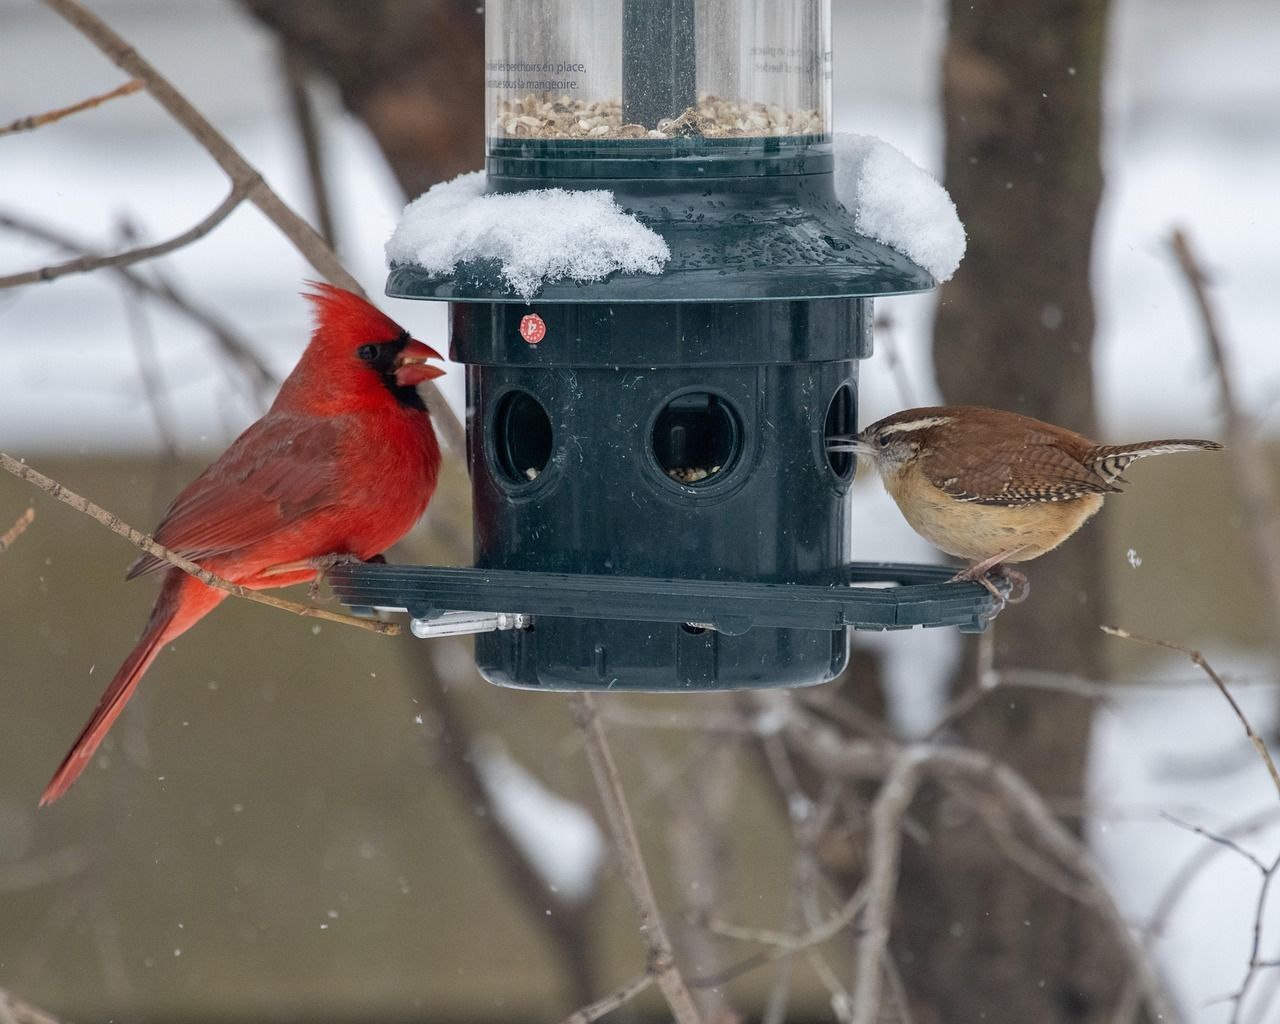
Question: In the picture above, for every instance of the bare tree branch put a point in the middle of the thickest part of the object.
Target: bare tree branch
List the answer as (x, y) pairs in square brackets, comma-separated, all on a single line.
[(237, 348), (890, 807), (621, 995), (85, 264), (16, 530), (887, 341), (26, 124), (14, 1011), (1255, 961), (43, 869), (144, 350), (116, 525), (661, 961), (1254, 482), (906, 768), (304, 118), (1259, 745), (1181, 881), (244, 177), (565, 924)]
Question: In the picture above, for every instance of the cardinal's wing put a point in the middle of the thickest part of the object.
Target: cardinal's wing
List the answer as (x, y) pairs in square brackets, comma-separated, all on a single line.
[(280, 470)]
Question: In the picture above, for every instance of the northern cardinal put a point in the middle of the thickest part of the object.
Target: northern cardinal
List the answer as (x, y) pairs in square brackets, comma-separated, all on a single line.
[(343, 464)]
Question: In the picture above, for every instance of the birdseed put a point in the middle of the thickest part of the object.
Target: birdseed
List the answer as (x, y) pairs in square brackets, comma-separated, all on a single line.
[(691, 474), (561, 117)]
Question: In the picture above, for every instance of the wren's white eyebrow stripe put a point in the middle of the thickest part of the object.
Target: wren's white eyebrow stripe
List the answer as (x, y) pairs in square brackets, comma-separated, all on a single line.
[(920, 424)]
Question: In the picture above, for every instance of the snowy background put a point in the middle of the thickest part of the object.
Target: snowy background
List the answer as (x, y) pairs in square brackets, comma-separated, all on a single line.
[(1192, 138)]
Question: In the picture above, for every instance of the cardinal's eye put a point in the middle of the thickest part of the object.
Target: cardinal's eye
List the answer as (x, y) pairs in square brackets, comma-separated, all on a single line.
[(369, 353)]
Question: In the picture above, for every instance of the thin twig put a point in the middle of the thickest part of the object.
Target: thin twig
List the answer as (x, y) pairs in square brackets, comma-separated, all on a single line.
[(828, 753), (1027, 679), (1017, 793), (701, 838), (1224, 841), (240, 351), (787, 943), (148, 359), (563, 922), (1180, 883), (894, 977), (242, 174), (14, 1011), (116, 525), (304, 118), (661, 960), (887, 342), (1198, 659), (33, 121), (890, 807), (1254, 481), (703, 720), (1255, 962), (44, 869), (16, 530), (85, 264), (621, 995), (995, 818)]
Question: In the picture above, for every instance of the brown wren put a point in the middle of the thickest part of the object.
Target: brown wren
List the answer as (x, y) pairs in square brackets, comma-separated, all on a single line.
[(991, 486)]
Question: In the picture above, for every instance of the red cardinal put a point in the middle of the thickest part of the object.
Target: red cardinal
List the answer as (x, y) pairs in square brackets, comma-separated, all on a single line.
[(343, 463)]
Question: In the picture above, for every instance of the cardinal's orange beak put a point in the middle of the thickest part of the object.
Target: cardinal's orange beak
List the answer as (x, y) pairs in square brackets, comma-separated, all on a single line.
[(411, 364)]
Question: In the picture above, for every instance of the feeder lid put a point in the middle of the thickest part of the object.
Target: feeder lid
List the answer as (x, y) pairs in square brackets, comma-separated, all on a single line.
[(734, 236)]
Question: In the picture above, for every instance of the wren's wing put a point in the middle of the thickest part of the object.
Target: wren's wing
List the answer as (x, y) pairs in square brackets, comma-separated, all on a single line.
[(276, 472), (1031, 466)]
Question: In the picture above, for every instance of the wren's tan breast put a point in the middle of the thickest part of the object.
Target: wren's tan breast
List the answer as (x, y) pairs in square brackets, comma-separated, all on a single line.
[(976, 531)]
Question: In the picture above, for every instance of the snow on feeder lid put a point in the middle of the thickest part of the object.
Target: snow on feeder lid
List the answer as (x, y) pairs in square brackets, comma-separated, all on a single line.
[(661, 304)]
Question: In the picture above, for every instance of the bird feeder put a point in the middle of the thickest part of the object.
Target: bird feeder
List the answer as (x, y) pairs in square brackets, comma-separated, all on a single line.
[(655, 506)]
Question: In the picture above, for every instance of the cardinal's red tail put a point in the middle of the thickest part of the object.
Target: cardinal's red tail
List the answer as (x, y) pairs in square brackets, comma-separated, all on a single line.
[(182, 602), (109, 707)]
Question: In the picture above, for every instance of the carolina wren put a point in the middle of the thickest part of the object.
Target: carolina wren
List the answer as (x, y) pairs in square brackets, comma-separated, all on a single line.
[(992, 486)]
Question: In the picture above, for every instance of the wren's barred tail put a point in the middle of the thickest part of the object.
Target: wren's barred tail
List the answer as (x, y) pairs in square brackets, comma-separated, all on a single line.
[(1110, 460)]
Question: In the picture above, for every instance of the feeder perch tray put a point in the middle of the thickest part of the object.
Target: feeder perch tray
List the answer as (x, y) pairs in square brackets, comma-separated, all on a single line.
[(540, 614)]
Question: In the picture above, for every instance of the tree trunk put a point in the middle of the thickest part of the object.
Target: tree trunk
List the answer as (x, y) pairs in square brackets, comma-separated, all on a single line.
[(979, 939)]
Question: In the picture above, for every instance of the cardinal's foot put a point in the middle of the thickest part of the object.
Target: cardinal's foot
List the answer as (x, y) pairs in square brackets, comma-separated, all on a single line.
[(323, 563)]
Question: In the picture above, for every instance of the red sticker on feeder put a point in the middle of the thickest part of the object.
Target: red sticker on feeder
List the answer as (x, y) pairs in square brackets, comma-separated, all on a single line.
[(533, 328)]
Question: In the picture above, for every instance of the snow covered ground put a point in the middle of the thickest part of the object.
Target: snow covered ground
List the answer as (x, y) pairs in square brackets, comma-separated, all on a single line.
[(1192, 139)]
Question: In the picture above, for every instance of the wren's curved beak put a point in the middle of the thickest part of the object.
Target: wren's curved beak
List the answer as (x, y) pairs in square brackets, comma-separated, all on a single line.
[(855, 443), (411, 364)]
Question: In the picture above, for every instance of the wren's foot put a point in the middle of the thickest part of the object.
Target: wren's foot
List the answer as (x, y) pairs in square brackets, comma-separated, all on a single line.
[(1019, 585), (983, 572)]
